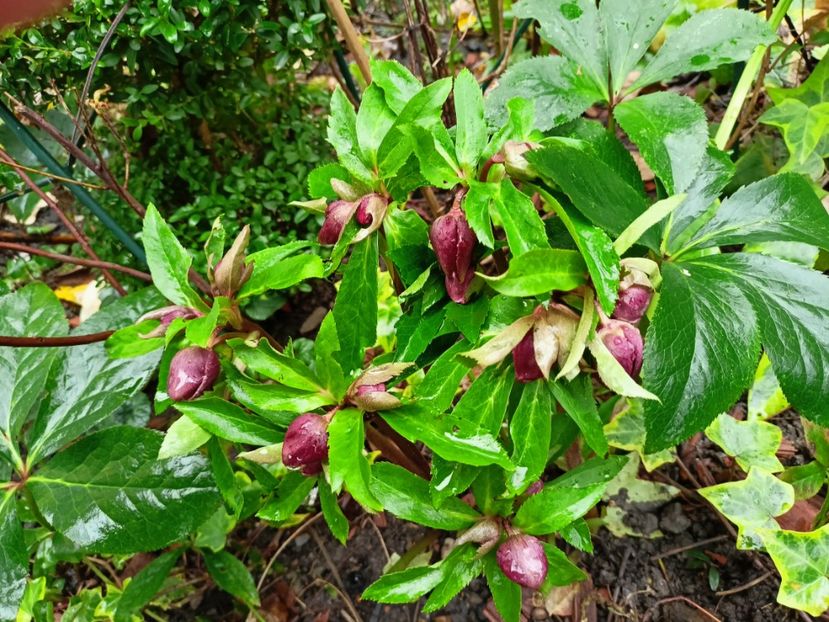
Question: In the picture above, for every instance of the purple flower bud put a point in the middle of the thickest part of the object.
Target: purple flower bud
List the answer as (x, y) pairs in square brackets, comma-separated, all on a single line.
[(523, 561), (192, 372), (337, 214), (363, 389), (306, 443), (454, 243), (632, 303), (523, 358), (364, 217), (625, 344), (184, 313)]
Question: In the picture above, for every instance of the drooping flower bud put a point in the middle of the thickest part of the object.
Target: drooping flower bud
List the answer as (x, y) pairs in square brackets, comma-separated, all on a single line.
[(624, 341), (454, 242), (192, 372), (522, 559), (231, 272), (337, 215), (166, 315), (523, 358), (306, 443), (632, 303), (364, 216), (482, 532)]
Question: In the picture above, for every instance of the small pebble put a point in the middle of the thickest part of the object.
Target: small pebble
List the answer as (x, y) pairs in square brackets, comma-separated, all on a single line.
[(301, 540)]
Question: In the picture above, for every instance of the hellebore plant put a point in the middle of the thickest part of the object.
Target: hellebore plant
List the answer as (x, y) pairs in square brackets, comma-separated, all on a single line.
[(483, 410)]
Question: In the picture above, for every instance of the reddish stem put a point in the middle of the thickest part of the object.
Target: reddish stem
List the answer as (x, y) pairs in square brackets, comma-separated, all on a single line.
[(91, 263)]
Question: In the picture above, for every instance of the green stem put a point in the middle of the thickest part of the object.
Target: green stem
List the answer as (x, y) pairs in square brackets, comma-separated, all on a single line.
[(741, 91), (820, 519), (14, 454)]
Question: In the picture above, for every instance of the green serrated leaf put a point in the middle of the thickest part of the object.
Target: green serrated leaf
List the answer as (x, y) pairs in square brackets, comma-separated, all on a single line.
[(145, 585), (332, 513), (232, 576), (348, 464), (540, 271), (530, 430), (230, 422), (470, 130), (109, 494), (14, 558)]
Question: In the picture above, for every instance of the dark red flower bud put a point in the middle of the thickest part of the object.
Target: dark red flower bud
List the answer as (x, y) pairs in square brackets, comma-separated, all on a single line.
[(625, 344), (523, 358), (337, 214), (306, 443), (454, 243), (523, 561), (632, 303), (192, 372), (364, 217), (184, 313)]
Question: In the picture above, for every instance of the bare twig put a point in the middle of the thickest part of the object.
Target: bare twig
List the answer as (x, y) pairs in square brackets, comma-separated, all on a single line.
[(352, 40), (690, 547), (76, 233), (299, 530), (90, 263), (683, 599), (54, 342), (63, 180), (745, 586)]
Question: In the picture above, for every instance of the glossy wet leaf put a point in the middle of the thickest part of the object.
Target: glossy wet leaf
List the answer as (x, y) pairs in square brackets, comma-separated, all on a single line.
[(230, 422), (407, 496), (705, 41), (751, 443), (530, 432), (276, 403), (355, 310), (574, 28), (168, 260), (397, 82), (32, 310), (437, 390), (348, 464), (563, 162), (567, 498), (14, 557), (700, 352), (765, 397), (539, 272), (671, 132), (779, 208), (484, 405), (459, 568), (576, 398), (519, 217), (505, 593), (470, 130), (802, 559), (342, 135), (560, 570), (628, 30), (109, 494), (792, 308), (183, 437), (292, 492), (559, 92), (332, 513), (751, 504), (274, 271), (265, 360)]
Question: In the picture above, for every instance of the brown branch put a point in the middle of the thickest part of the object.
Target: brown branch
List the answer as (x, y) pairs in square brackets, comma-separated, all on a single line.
[(54, 342), (22, 236), (91, 263), (76, 233), (352, 40)]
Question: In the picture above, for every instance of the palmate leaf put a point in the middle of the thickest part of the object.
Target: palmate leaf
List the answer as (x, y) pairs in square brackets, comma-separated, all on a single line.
[(751, 443), (14, 558)]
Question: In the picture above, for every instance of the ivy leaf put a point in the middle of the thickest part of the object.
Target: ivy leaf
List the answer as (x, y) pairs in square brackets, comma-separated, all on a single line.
[(751, 504), (751, 443), (629, 29), (574, 28), (107, 493), (14, 558), (627, 431), (706, 41), (32, 310), (348, 464), (226, 420), (700, 352), (540, 271), (145, 585), (779, 208), (802, 558), (671, 133), (470, 130), (355, 310), (169, 262), (232, 576), (559, 91)]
